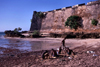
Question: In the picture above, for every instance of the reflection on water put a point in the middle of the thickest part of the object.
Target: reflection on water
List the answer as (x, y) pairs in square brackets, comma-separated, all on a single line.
[(28, 45), (43, 45), (21, 45), (32, 45), (4, 43)]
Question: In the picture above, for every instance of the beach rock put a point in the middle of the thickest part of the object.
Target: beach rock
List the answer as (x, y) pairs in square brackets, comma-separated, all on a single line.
[(81, 35), (10, 33)]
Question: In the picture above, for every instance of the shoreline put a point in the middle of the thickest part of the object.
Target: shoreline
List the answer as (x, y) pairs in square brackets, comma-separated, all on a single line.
[(74, 42)]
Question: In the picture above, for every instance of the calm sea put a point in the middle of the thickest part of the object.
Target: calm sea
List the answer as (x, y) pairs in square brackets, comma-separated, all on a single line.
[(25, 45), (14, 43), (2, 34), (3, 40)]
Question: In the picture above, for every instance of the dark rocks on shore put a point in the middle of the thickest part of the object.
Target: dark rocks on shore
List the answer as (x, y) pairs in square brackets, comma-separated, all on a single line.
[(81, 35), (10, 33), (34, 36), (33, 59)]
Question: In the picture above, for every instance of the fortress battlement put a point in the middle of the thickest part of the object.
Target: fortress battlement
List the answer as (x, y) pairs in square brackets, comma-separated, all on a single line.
[(75, 6)]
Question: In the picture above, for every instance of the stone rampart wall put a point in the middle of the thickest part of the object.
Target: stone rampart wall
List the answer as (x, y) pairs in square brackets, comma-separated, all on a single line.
[(54, 20)]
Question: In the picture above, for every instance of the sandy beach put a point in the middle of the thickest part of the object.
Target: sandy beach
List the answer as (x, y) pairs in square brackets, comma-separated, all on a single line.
[(16, 58)]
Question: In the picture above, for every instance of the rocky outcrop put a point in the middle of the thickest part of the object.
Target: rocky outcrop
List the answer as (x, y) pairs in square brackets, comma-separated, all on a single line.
[(10, 33)]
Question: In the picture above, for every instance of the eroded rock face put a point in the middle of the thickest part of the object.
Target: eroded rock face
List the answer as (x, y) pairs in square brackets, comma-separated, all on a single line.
[(54, 21)]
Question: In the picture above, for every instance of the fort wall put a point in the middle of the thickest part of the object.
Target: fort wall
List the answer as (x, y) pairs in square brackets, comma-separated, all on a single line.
[(54, 21)]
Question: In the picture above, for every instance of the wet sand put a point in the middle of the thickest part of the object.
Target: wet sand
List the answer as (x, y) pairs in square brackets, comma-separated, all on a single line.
[(16, 58)]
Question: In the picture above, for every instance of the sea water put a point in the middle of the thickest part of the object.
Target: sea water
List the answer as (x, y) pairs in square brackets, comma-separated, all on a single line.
[(22, 45), (14, 43), (25, 45), (3, 40)]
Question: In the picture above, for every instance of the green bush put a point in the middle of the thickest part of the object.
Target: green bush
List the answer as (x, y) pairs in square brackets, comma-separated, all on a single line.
[(94, 22), (73, 22), (31, 20), (40, 15), (17, 29), (35, 32)]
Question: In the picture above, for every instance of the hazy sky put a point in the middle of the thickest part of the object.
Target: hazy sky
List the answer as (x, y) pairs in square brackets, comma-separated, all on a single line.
[(17, 13)]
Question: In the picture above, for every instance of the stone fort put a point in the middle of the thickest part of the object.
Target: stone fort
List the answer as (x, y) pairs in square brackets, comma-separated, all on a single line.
[(54, 21)]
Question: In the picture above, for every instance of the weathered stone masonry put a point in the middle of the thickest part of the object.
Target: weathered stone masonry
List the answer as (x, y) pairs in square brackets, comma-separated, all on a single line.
[(54, 20)]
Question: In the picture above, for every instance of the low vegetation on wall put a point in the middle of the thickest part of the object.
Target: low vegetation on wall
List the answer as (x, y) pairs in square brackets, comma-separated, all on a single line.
[(35, 34), (73, 22), (40, 15), (94, 22)]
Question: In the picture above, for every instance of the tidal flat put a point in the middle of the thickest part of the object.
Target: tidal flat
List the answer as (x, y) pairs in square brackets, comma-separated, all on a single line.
[(26, 52)]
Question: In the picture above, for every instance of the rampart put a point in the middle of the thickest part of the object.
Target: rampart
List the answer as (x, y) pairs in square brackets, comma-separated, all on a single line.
[(54, 21)]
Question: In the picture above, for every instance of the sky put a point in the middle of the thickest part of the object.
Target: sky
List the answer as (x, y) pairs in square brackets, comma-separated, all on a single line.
[(18, 13)]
